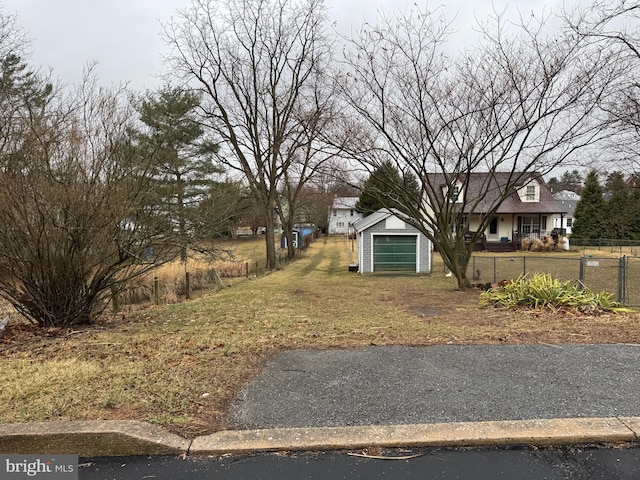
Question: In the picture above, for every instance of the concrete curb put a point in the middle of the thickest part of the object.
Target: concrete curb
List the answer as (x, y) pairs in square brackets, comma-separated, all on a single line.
[(115, 438), (498, 433), (93, 438)]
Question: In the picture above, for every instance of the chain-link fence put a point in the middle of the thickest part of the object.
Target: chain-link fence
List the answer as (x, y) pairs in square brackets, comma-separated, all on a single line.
[(631, 281), (620, 276), (608, 245)]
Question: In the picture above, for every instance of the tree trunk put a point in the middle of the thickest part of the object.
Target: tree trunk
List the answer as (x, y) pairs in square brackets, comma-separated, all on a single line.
[(287, 227), (272, 257), (456, 258), (291, 247), (182, 223)]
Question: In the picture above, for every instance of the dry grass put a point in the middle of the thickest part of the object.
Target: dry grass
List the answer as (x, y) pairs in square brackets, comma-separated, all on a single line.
[(180, 365), (171, 280), (235, 258)]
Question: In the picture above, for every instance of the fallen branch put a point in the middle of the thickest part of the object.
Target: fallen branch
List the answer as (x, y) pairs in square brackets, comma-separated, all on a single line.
[(383, 457)]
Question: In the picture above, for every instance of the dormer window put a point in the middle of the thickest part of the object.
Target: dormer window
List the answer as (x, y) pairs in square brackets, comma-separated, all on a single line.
[(531, 193), (454, 193)]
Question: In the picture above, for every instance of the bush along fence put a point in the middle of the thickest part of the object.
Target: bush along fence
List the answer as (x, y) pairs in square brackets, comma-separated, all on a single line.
[(619, 276)]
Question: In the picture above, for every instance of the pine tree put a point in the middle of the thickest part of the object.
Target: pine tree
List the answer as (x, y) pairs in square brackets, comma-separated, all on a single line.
[(571, 181), (183, 166), (634, 207), (617, 207), (385, 188), (23, 97), (589, 223)]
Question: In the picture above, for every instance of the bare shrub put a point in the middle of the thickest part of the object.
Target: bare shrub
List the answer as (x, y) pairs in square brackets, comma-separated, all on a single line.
[(75, 203)]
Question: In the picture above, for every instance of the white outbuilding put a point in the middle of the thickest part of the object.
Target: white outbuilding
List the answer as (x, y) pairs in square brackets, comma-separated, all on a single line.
[(386, 243)]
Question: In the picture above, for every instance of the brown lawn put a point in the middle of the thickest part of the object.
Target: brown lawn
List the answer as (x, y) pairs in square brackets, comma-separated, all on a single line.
[(180, 365)]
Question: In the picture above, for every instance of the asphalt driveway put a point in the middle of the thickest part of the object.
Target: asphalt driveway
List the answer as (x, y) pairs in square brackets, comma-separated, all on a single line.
[(406, 385)]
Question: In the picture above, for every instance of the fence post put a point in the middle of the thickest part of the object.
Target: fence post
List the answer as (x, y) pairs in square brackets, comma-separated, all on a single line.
[(622, 277), (187, 285), (156, 290), (581, 274), (115, 298), (217, 279), (246, 267), (524, 266), (495, 273)]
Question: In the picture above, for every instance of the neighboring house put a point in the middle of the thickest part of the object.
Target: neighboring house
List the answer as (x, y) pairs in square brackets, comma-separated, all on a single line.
[(343, 214), (529, 212), (568, 200), (387, 243)]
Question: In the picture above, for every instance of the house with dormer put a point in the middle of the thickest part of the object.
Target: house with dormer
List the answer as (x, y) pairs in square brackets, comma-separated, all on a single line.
[(530, 211)]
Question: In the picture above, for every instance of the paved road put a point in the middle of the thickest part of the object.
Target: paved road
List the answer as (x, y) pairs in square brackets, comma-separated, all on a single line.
[(435, 464), (400, 385)]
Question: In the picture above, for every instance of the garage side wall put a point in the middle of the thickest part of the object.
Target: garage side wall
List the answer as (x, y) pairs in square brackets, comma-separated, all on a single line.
[(366, 256)]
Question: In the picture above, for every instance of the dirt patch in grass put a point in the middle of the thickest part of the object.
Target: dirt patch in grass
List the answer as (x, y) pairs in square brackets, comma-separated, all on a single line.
[(181, 365)]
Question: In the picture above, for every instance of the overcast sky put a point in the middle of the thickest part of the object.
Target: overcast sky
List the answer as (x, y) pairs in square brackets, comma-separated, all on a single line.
[(123, 36)]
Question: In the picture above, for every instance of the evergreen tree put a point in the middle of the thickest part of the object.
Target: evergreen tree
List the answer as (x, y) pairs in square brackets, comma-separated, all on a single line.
[(589, 223), (634, 207), (24, 95), (571, 181), (385, 188), (554, 185), (618, 214), (221, 211), (183, 166)]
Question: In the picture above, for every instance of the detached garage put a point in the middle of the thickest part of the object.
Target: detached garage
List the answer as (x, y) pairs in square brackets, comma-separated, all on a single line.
[(388, 244)]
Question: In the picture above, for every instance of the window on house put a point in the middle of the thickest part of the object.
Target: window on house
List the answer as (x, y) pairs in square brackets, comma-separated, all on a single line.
[(335, 213), (493, 226), (531, 193), (463, 225), (341, 224), (455, 193), (569, 222), (530, 225), (351, 213)]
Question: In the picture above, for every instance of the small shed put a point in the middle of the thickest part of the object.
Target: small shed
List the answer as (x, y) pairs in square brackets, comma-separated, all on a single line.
[(300, 233), (386, 243)]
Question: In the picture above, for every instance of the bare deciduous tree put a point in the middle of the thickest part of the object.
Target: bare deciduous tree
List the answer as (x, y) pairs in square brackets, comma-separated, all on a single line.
[(614, 26), (521, 99), (307, 157), (255, 63)]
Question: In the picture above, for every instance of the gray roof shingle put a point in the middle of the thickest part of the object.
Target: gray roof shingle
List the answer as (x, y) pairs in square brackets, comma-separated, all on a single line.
[(493, 184)]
